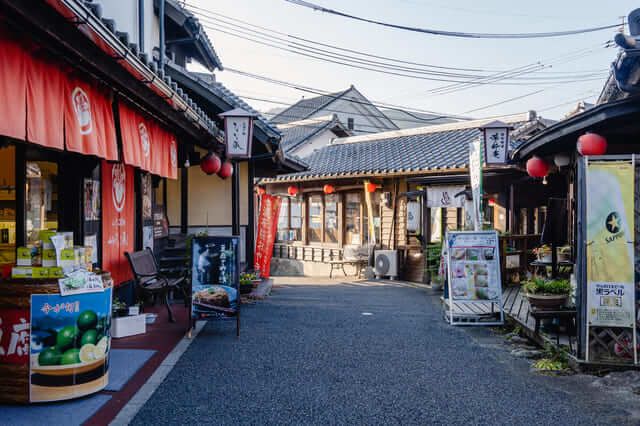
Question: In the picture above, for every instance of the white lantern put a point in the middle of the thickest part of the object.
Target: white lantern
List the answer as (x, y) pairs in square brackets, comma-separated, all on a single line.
[(238, 132), (496, 142)]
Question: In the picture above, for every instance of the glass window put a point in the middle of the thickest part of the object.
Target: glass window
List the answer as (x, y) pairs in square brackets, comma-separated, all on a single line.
[(7, 205), (42, 198), (352, 225), (295, 224), (283, 221), (315, 218), (331, 218)]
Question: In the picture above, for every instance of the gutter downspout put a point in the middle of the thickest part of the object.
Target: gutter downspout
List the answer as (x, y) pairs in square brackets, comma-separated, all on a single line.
[(162, 35), (141, 25)]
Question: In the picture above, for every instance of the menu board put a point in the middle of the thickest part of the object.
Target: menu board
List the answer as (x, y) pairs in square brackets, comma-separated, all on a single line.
[(474, 270)]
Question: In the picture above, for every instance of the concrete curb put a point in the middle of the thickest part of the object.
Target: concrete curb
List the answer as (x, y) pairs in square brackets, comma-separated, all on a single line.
[(134, 405)]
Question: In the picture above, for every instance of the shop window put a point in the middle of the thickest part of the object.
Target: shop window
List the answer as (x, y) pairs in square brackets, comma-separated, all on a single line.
[(315, 218), (352, 219), (283, 221), (41, 198), (295, 221), (7, 205), (331, 218)]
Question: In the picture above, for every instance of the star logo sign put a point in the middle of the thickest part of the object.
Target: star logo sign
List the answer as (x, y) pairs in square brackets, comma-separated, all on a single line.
[(613, 222)]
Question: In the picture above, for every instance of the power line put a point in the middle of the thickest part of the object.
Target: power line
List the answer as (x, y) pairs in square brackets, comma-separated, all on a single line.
[(245, 30), (450, 33)]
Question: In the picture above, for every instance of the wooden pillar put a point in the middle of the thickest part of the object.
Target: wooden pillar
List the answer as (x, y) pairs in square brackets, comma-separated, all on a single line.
[(184, 200), (249, 245), (235, 199), (511, 216)]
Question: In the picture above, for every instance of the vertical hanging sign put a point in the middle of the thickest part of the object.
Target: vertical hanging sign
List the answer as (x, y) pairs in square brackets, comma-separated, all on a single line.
[(267, 227), (475, 175), (610, 246), (118, 219)]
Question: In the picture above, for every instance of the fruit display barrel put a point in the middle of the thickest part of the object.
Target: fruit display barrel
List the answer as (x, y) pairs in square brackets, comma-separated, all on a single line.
[(52, 347)]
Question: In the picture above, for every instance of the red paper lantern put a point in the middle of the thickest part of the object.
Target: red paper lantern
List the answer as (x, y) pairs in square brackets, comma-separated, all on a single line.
[(371, 187), (210, 164), (292, 191), (226, 170), (592, 144), (492, 202), (260, 190), (537, 167), (328, 189)]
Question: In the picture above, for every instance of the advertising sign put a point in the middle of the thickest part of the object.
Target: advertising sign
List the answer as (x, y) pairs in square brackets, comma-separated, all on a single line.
[(70, 341), (215, 274), (266, 237), (118, 204), (14, 336), (474, 271), (475, 175), (496, 142), (610, 244)]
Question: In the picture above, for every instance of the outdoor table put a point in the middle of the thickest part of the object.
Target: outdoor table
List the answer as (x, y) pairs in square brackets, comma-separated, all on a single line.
[(48, 343), (566, 316)]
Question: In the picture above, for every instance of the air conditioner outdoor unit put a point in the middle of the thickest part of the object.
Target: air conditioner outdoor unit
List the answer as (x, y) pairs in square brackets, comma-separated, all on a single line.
[(386, 263)]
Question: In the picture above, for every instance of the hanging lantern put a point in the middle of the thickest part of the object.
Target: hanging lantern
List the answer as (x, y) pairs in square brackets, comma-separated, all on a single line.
[(328, 189), (210, 164), (260, 190), (226, 170), (371, 187), (592, 144), (537, 167), (492, 202), (292, 190)]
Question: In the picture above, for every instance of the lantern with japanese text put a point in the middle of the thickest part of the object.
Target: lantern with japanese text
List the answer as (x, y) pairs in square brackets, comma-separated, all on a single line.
[(592, 144), (238, 129), (226, 170), (210, 164), (371, 187), (292, 191), (328, 189), (537, 167)]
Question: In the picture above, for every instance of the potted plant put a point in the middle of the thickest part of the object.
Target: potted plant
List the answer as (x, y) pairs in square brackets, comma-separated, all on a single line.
[(119, 308), (547, 294), (564, 254), (246, 282)]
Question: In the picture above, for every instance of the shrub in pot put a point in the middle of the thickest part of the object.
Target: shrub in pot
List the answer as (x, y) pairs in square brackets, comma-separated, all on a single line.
[(547, 294)]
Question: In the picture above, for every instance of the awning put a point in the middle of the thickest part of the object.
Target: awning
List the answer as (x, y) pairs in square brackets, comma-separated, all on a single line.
[(43, 104), (146, 144)]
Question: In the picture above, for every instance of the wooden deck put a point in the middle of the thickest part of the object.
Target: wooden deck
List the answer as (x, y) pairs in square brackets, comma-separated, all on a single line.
[(516, 308)]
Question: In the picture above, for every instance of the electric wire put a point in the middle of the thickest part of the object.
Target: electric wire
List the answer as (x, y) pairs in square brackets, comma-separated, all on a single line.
[(319, 8)]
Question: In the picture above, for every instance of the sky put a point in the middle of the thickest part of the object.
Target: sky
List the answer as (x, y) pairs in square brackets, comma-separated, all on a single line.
[(566, 56)]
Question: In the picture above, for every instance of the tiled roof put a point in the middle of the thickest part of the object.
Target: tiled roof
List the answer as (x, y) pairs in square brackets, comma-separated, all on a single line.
[(227, 96), (305, 108), (409, 151), (296, 133)]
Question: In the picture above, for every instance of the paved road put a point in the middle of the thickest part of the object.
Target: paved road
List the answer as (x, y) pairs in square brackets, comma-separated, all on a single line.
[(308, 355)]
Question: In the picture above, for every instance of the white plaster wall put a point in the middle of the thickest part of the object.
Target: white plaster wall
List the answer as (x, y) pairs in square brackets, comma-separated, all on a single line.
[(125, 13), (318, 141)]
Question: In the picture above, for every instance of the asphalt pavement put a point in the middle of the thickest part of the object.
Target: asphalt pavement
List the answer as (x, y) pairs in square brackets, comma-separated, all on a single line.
[(362, 354)]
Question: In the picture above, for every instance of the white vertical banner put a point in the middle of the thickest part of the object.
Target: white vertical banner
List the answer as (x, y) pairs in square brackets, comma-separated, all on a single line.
[(413, 216), (475, 175)]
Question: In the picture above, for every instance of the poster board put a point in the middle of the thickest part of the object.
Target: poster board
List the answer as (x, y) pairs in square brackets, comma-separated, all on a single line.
[(475, 285), (610, 254), (215, 267)]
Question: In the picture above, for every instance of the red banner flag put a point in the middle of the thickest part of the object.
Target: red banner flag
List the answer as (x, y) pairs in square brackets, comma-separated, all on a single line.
[(267, 227), (118, 209)]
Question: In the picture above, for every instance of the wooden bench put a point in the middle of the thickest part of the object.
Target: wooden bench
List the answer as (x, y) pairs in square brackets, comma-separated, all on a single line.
[(357, 256), (149, 280)]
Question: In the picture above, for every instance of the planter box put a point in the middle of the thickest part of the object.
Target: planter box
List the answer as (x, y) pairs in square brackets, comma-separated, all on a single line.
[(128, 326), (547, 302)]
